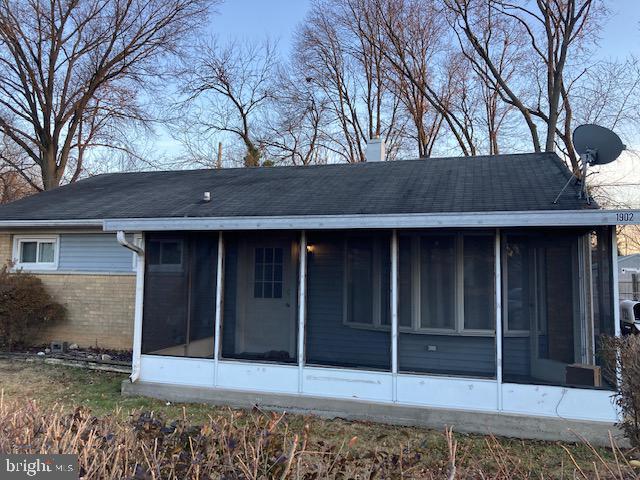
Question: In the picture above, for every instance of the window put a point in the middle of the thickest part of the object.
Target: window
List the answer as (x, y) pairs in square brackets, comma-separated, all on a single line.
[(165, 255), (367, 281), (39, 253), (446, 283), (268, 273), (557, 293), (438, 282), (479, 266), (517, 281)]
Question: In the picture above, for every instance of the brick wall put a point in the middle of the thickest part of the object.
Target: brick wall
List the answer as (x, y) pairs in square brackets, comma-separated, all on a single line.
[(5, 248), (100, 308)]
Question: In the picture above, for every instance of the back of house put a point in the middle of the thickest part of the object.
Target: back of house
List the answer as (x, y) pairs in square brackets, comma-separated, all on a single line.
[(477, 288)]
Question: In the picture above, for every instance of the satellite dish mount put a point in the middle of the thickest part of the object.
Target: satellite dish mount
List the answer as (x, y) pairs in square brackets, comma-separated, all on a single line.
[(596, 145)]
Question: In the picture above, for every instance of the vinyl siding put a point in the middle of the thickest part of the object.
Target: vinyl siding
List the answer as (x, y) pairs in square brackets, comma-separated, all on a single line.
[(229, 303), (515, 358), (453, 354), (328, 340), (93, 252)]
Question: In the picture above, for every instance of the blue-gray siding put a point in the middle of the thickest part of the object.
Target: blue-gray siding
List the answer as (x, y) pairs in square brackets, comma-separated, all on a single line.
[(229, 303), (93, 252), (328, 340), (515, 358), (447, 354)]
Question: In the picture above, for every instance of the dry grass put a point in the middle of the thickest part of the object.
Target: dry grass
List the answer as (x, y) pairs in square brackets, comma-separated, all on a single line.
[(75, 413)]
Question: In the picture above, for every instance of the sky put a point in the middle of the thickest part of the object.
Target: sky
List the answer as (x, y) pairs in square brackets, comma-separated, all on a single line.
[(257, 19), (278, 19)]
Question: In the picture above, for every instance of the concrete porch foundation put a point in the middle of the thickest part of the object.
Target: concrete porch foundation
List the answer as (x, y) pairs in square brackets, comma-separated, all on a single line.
[(500, 424)]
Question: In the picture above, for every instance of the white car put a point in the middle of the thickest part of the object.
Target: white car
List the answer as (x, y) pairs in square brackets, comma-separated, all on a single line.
[(629, 316)]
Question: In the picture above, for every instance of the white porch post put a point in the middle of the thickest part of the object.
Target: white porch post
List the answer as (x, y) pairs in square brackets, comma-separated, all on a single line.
[(219, 303), (302, 299), (137, 320), (616, 286), (394, 314), (498, 289), (616, 300)]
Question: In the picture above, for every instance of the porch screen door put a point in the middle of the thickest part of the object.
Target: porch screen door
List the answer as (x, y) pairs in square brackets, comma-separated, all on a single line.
[(555, 327)]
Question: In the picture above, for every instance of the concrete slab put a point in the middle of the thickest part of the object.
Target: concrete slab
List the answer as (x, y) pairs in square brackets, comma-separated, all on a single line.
[(500, 424)]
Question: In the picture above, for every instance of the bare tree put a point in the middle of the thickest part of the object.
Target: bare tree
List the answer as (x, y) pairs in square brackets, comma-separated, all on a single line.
[(70, 71), (350, 73), (555, 30), (227, 89), (295, 127), (16, 174), (414, 49), (424, 66)]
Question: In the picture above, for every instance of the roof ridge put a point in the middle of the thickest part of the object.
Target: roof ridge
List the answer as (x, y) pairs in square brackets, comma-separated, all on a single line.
[(325, 165)]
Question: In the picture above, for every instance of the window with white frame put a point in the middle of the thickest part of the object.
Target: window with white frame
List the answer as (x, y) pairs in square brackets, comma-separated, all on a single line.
[(446, 283), (36, 252), (366, 281), (165, 254)]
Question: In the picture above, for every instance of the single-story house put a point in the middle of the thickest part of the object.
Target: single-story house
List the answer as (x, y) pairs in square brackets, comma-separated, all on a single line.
[(386, 290), (629, 277)]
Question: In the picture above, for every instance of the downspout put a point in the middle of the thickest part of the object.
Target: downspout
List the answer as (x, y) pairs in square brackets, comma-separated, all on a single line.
[(122, 240), (137, 324)]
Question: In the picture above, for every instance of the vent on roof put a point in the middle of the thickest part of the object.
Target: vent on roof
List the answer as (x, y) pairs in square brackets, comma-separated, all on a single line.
[(206, 197)]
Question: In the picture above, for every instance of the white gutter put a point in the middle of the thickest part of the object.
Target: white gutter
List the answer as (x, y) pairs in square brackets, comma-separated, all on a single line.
[(539, 218), (137, 321), (50, 223)]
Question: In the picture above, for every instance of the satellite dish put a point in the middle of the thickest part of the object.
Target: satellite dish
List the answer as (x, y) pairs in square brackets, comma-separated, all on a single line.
[(597, 145)]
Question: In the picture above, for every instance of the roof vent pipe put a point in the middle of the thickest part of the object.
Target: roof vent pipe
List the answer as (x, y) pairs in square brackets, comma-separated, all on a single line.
[(375, 150), (206, 196)]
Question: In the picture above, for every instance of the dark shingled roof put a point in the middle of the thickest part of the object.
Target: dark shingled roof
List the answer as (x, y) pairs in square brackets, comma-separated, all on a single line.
[(435, 185)]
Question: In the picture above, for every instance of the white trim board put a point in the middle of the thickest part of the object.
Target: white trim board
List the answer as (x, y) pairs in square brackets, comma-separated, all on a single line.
[(431, 391), (541, 218)]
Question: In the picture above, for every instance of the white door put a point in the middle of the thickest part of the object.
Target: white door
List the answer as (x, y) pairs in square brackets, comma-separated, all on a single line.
[(268, 299)]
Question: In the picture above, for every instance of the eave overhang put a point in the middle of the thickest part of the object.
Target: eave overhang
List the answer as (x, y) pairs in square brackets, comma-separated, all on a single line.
[(540, 218)]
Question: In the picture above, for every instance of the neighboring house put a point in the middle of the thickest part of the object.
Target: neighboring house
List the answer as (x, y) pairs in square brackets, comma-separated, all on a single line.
[(388, 288), (629, 277)]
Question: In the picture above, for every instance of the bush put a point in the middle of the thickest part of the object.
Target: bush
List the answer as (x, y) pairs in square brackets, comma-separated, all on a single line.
[(25, 307), (621, 359), (237, 445)]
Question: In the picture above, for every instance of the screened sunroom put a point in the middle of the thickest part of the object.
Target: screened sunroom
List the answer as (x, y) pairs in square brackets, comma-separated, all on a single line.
[(439, 316)]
